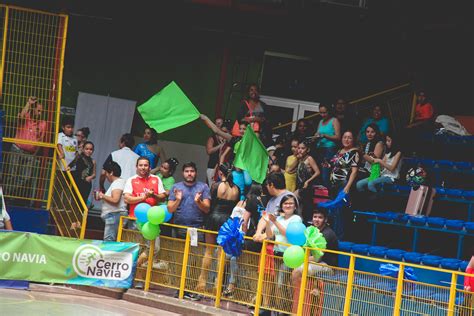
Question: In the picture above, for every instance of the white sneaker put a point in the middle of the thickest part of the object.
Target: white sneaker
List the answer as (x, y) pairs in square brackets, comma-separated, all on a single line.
[(161, 265)]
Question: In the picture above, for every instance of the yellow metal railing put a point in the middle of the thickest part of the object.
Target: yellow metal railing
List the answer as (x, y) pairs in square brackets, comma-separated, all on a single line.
[(261, 280), (396, 103), (32, 60), (67, 207)]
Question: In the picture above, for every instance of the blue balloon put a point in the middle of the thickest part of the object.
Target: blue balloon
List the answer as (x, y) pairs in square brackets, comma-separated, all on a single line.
[(247, 179), (295, 233), (238, 178), (141, 212), (168, 215)]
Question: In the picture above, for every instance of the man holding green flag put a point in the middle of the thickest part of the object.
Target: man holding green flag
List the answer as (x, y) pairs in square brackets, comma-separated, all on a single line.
[(251, 155), (168, 109)]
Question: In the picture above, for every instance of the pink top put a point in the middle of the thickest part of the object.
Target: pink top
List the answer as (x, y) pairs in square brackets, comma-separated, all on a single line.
[(32, 130)]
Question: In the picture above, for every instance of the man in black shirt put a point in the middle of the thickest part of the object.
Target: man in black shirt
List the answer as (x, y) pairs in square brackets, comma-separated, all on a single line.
[(328, 260)]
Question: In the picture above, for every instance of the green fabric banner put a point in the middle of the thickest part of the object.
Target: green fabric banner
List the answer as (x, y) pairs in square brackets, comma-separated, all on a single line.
[(53, 259), (252, 156), (168, 109)]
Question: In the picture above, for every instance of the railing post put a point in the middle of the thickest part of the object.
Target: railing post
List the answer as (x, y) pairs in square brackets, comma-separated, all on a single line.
[(149, 266), (303, 282), (220, 277), (4, 49), (120, 229), (452, 294), (182, 283), (399, 292), (52, 179), (261, 274), (350, 280)]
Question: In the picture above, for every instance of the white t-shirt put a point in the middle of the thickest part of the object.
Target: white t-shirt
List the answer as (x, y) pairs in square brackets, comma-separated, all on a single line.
[(3, 211), (395, 174), (278, 236), (127, 160), (107, 208), (69, 145)]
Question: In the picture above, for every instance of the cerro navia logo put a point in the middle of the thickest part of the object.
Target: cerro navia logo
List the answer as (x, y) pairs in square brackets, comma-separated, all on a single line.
[(90, 261)]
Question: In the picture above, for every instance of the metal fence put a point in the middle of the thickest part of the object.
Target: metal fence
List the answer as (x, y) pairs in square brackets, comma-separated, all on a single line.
[(32, 58), (260, 279), (66, 206)]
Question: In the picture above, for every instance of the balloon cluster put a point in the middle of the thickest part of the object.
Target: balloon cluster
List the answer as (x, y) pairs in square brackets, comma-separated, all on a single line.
[(298, 235), (149, 219), (293, 256)]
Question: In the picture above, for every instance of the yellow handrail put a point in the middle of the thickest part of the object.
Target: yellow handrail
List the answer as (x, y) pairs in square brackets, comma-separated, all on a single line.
[(77, 194), (265, 286), (350, 102)]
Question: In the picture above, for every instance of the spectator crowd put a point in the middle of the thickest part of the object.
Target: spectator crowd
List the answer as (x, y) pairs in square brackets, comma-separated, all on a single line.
[(337, 154)]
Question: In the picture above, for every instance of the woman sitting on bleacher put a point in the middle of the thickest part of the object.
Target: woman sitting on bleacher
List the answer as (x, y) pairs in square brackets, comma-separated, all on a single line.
[(371, 150), (344, 172), (391, 164)]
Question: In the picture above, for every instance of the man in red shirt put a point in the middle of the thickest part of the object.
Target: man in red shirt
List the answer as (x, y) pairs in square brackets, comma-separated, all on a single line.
[(423, 111), (143, 187), (22, 160)]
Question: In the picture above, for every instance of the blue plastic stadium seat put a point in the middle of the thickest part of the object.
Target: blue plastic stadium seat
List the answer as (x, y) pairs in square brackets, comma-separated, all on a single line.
[(430, 260), (451, 264), (395, 254), (468, 194), (386, 216), (454, 192), (463, 265), (377, 251), (454, 224), (419, 220), (427, 163), (386, 285), (361, 249), (346, 246), (402, 218), (463, 165), (413, 257), (409, 161), (440, 191), (402, 188), (423, 292), (469, 227), (445, 163), (436, 221)]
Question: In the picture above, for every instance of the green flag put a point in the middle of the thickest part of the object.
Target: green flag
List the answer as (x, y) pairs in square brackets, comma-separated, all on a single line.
[(252, 156), (168, 109)]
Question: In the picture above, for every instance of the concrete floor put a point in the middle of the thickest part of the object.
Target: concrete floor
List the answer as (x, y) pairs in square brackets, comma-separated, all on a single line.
[(68, 302)]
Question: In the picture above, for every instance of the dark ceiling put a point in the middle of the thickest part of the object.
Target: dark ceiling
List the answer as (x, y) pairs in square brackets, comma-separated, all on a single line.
[(428, 42)]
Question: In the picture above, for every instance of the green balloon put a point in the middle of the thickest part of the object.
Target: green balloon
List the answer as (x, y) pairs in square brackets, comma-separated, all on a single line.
[(156, 215), (150, 231), (293, 256)]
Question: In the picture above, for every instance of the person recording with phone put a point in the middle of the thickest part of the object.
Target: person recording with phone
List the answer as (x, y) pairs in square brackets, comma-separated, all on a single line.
[(31, 128)]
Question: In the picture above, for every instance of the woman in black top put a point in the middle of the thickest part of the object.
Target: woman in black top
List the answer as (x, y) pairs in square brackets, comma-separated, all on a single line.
[(213, 146), (85, 170)]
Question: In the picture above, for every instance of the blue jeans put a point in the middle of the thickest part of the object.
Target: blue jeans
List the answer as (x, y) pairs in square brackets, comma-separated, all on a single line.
[(112, 221), (374, 185), (325, 154), (233, 269)]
